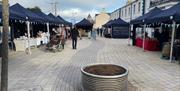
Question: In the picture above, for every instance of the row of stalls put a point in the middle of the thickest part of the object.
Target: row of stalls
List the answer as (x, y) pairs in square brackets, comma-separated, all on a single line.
[(117, 28), (29, 28), (159, 30), (84, 26)]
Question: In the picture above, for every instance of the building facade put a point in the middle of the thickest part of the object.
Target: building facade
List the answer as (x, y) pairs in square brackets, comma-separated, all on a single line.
[(162, 4), (115, 14), (131, 10), (134, 8), (101, 19)]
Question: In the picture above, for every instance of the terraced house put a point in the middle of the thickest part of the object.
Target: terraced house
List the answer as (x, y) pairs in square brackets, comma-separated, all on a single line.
[(135, 8)]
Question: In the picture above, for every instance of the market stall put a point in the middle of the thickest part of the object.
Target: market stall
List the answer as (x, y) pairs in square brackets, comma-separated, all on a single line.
[(120, 28), (30, 29), (84, 26), (170, 17), (169, 36)]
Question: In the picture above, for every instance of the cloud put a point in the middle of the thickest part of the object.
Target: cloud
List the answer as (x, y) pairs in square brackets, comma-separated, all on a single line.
[(76, 13), (104, 5), (66, 7)]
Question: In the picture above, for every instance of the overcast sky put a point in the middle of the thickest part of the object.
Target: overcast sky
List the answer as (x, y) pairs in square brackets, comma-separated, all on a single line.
[(65, 8)]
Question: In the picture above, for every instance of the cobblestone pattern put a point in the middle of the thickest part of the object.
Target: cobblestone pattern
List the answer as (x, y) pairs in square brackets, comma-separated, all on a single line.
[(43, 70), (147, 71), (46, 71)]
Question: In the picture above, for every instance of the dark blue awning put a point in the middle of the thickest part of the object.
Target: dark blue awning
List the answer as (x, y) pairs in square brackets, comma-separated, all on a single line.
[(45, 17), (119, 22), (64, 21), (84, 23), (144, 19), (55, 19), (13, 15), (30, 15), (168, 15), (108, 23)]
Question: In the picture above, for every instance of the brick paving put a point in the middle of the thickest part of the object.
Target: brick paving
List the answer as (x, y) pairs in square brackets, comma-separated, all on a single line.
[(147, 71), (46, 71)]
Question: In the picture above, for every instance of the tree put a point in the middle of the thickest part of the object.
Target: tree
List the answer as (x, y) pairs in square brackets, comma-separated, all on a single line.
[(4, 67), (35, 9)]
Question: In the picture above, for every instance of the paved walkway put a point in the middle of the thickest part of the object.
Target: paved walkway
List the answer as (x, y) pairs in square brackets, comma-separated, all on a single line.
[(147, 71), (46, 71)]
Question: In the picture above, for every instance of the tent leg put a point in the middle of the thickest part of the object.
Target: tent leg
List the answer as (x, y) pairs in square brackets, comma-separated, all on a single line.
[(172, 40), (130, 27), (144, 36), (28, 30), (111, 31), (48, 32)]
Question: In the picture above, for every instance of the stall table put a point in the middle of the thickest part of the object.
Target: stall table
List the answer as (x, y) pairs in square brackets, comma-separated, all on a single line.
[(150, 44), (22, 44)]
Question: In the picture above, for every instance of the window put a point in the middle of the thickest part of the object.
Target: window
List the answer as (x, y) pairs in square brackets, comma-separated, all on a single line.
[(139, 6), (119, 13), (125, 12), (0, 36), (134, 8), (122, 13), (129, 10)]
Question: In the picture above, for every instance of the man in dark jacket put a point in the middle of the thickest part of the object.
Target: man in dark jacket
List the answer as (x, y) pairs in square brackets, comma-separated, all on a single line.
[(74, 35)]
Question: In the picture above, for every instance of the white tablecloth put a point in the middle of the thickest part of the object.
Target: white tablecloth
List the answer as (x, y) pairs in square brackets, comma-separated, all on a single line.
[(44, 40), (22, 44)]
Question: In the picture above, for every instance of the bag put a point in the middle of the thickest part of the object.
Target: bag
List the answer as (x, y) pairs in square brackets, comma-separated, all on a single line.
[(166, 50)]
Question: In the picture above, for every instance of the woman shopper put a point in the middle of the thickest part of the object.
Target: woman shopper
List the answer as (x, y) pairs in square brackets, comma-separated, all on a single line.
[(94, 34)]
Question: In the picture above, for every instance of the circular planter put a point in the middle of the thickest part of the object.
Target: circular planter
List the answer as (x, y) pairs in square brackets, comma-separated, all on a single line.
[(104, 77)]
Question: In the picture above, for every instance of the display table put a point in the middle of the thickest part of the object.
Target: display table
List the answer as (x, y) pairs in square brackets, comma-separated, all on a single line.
[(22, 44), (150, 44), (139, 42)]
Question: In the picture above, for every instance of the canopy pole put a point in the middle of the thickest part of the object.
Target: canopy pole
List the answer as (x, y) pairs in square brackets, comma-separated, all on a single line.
[(28, 30), (172, 40), (48, 31), (144, 36), (111, 31), (161, 28), (130, 27)]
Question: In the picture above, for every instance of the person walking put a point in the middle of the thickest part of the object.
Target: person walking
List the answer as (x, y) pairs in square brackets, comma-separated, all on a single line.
[(101, 32), (74, 35), (89, 34), (98, 30), (94, 34)]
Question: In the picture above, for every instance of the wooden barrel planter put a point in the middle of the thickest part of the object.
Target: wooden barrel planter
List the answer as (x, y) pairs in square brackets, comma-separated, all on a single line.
[(104, 77)]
